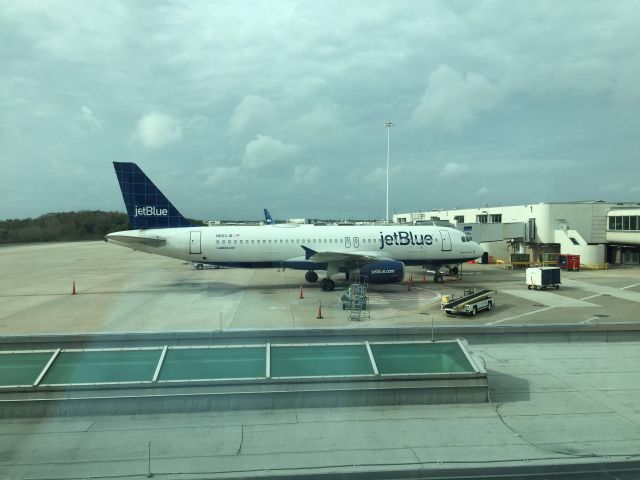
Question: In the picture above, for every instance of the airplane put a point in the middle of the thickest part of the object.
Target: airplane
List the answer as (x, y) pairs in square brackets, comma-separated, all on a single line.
[(268, 219), (378, 252)]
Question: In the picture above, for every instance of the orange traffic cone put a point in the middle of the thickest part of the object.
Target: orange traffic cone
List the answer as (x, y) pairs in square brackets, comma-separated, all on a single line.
[(73, 290), (301, 294), (319, 310)]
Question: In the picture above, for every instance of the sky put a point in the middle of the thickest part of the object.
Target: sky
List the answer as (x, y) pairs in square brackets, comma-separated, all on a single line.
[(231, 107)]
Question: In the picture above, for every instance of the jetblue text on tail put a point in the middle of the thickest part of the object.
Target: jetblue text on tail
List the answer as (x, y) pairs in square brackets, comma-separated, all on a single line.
[(150, 211)]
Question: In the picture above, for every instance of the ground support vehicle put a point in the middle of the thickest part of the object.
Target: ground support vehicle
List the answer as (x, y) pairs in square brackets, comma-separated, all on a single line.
[(470, 303), (543, 277)]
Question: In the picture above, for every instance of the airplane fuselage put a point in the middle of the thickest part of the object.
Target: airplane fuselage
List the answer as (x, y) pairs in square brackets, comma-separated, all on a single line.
[(266, 245)]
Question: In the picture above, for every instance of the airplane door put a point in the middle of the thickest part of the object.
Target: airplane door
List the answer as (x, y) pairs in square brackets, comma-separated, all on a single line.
[(356, 242), (347, 242), (195, 244), (446, 241)]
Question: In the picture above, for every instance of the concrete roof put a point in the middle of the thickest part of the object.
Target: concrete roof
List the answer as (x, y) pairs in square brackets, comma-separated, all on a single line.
[(557, 403)]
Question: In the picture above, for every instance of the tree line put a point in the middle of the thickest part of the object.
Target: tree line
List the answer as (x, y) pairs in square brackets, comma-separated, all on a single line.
[(63, 226)]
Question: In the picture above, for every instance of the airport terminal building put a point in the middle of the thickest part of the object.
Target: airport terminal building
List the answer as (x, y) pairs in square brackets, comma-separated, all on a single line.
[(598, 231)]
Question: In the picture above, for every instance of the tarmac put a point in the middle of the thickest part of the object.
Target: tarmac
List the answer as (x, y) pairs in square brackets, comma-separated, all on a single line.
[(120, 290), (557, 403)]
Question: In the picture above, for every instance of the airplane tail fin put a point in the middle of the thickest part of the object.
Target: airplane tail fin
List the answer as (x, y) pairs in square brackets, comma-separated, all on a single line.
[(267, 217), (147, 206)]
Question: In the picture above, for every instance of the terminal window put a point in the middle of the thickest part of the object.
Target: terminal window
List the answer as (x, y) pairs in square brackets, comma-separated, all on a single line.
[(624, 222), (481, 218), (458, 219)]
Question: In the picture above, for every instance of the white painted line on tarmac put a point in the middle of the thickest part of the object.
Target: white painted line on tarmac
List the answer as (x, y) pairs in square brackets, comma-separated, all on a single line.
[(591, 296), (519, 316), (631, 286), (549, 299), (601, 289), (588, 320)]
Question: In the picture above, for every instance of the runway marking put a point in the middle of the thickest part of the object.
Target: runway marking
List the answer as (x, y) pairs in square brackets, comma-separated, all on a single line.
[(550, 299), (591, 296), (630, 286), (434, 298), (519, 316), (588, 320), (601, 289)]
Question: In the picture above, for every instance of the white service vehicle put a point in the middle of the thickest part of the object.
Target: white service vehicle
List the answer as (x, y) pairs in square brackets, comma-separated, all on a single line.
[(470, 303), (543, 277)]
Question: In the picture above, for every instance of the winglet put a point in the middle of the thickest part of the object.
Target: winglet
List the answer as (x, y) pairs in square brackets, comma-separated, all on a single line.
[(308, 253)]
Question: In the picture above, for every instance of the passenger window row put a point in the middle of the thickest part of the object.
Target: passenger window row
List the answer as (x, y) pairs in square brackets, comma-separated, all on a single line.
[(288, 241)]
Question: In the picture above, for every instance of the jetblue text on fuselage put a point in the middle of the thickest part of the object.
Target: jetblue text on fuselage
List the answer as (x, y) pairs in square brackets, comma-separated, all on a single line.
[(404, 238), (150, 211)]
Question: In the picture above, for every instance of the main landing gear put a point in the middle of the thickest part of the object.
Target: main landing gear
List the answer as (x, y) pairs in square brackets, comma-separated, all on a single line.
[(327, 284)]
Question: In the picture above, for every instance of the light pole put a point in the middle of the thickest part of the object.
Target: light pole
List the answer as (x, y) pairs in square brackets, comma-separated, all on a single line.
[(388, 126)]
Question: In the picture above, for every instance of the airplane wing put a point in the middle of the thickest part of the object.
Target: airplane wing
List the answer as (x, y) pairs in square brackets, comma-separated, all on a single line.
[(361, 257)]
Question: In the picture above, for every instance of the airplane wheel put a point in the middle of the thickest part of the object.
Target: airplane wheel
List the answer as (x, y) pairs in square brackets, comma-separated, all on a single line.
[(557, 287), (438, 279), (311, 277), (530, 287), (455, 270), (199, 266), (327, 284)]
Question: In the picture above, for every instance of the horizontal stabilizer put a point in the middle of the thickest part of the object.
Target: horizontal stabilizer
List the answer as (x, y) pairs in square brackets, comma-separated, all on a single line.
[(130, 240)]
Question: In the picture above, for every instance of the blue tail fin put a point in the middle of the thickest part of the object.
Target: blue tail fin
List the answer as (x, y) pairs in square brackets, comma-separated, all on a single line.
[(267, 217), (147, 206)]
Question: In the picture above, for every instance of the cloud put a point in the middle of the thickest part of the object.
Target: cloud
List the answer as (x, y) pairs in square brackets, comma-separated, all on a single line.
[(451, 100), (543, 89), (612, 187), (252, 111), (222, 175), (377, 176), (156, 130), (306, 174), (452, 169), (87, 116), (264, 151)]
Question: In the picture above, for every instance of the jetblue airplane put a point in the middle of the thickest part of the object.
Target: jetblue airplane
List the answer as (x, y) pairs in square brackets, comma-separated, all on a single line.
[(378, 252), (268, 219)]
